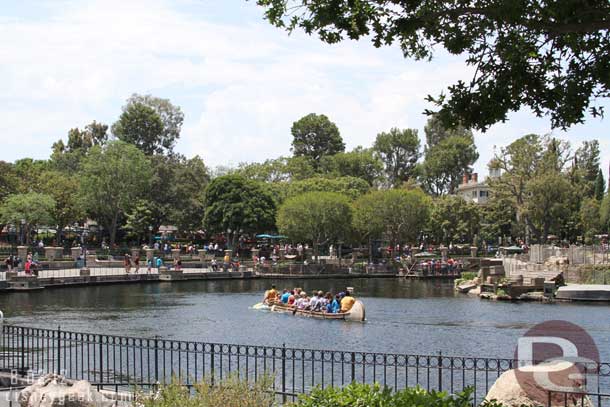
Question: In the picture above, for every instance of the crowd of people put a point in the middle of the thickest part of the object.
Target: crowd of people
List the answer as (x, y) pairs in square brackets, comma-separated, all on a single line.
[(318, 302)]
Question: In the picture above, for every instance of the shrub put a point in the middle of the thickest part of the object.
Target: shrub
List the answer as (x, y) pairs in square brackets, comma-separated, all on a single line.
[(231, 392), (364, 395)]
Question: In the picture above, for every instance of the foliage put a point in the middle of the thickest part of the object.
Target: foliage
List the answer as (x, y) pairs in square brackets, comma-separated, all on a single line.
[(236, 205), (171, 116), (585, 167), (367, 395), (27, 172), (548, 56), (548, 204), (600, 186), (318, 217), (231, 392), (8, 180), (67, 157), (359, 163), (113, 178), (498, 219), (604, 212), (315, 136), (64, 189), (454, 220), (349, 186), (141, 126), (191, 179), (282, 169), (446, 162), (397, 213), (33, 208), (399, 151), (590, 218), (140, 219)]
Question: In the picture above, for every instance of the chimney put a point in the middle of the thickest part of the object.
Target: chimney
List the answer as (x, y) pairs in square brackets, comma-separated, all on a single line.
[(465, 179), (475, 177)]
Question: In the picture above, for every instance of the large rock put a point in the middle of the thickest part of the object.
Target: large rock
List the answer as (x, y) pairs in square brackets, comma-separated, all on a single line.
[(522, 387), (53, 390)]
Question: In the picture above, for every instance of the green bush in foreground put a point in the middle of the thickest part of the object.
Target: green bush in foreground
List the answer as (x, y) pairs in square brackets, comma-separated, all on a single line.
[(365, 395), (231, 392)]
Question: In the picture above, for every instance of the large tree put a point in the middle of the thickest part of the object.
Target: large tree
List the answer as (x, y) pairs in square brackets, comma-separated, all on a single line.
[(446, 162), (600, 186), (399, 151), (453, 219), (142, 126), (27, 210), (64, 189), (316, 217), (171, 116), (315, 136), (191, 179), (396, 214), (235, 205), (112, 180), (549, 56), (8, 180)]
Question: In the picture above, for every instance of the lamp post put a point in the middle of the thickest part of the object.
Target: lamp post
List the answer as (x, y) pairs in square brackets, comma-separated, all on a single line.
[(12, 236), (150, 235), (21, 231), (84, 236)]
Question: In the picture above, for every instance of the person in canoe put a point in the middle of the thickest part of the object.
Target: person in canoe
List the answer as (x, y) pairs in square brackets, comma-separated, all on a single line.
[(271, 296), (347, 302)]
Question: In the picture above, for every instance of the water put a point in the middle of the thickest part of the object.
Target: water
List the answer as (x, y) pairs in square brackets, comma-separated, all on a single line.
[(403, 316)]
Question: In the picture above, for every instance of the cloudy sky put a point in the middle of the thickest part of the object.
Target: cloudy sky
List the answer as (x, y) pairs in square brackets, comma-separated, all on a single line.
[(240, 82)]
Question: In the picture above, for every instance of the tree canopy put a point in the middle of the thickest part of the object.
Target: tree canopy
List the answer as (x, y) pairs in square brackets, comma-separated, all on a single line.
[(112, 180), (141, 126), (32, 208), (236, 205), (550, 57), (319, 217), (315, 136), (399, 151)]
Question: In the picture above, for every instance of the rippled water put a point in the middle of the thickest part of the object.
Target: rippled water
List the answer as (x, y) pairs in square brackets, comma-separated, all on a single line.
[(403, 316)]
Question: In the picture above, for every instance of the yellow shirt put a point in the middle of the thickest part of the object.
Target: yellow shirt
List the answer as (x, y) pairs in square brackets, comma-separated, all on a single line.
[(347, 303), (271, 295)]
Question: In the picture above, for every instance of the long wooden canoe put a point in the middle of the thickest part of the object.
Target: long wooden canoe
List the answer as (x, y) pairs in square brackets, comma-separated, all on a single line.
[(356, 314)]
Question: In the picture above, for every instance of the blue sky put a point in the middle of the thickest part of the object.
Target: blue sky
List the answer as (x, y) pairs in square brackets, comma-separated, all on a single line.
[(240, 82)]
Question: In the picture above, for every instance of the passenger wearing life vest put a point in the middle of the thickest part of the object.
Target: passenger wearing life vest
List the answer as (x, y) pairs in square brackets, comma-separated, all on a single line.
[(271, 296)]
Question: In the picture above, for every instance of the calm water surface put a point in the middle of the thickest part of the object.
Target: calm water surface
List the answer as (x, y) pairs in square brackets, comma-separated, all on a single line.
[(404, 316)]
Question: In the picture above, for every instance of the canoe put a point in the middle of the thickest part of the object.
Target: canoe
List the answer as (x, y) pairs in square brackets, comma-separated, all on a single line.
[(356, 314)]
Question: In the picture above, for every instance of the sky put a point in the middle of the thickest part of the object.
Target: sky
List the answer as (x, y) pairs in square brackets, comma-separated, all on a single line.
[(240, 82)]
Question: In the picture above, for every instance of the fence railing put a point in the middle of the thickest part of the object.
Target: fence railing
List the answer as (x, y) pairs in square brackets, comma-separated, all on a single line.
[(122, 362)]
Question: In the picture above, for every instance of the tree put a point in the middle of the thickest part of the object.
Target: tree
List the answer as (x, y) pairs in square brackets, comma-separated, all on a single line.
[(446, 162), (317, 217), (32, 208), (281, 169), (436, 131), (600, 186), (235, 205), (590, 218), (604, 214), (139, 220), (171, 116), (8, 180), (348, 186), (398, 214), (191, 179), (67, 157), (399, 151), (64, 189), (454, 220), (27, 172), (548, 203), (141, 126), (548, 56), (498, 219), (112, 180), (586, 165), (315, 136), (359, 163)]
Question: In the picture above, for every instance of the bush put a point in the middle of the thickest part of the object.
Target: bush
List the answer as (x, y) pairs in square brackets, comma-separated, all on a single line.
[(365, 395), (232, 392)]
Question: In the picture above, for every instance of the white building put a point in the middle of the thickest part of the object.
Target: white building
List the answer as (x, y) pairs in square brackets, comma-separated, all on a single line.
[(474, 191)]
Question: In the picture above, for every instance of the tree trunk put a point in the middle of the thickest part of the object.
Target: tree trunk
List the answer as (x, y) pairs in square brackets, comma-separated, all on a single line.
[(315, 251), (113, 225), (370, 250)]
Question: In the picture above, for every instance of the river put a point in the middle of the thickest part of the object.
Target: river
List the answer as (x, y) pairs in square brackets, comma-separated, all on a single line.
[(403, 316)]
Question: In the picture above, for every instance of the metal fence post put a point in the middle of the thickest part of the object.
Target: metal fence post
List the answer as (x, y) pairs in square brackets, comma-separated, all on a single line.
[(440, 371), (353, 366), (99, 337), (156, 358), (283, 373), (59, 350), (22, 350)]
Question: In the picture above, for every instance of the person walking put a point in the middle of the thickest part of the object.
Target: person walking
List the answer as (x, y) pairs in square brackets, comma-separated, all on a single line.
[(136, 262), (127, 263)]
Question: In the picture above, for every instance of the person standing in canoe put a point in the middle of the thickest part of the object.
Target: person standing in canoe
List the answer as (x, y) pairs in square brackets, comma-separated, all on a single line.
[(270, 296)]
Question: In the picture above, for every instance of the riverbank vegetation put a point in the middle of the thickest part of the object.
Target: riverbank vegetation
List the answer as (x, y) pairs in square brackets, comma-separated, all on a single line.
[(401, 189)]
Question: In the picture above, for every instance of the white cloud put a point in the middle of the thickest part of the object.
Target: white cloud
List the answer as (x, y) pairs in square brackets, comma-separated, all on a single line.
[(240, 81)]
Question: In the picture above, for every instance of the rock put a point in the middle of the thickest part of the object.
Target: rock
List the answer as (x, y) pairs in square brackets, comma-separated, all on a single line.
[(520, 387), (53, 390)]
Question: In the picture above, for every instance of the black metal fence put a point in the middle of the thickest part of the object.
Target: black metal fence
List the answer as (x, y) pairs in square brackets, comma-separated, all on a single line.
[(123, 362)]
